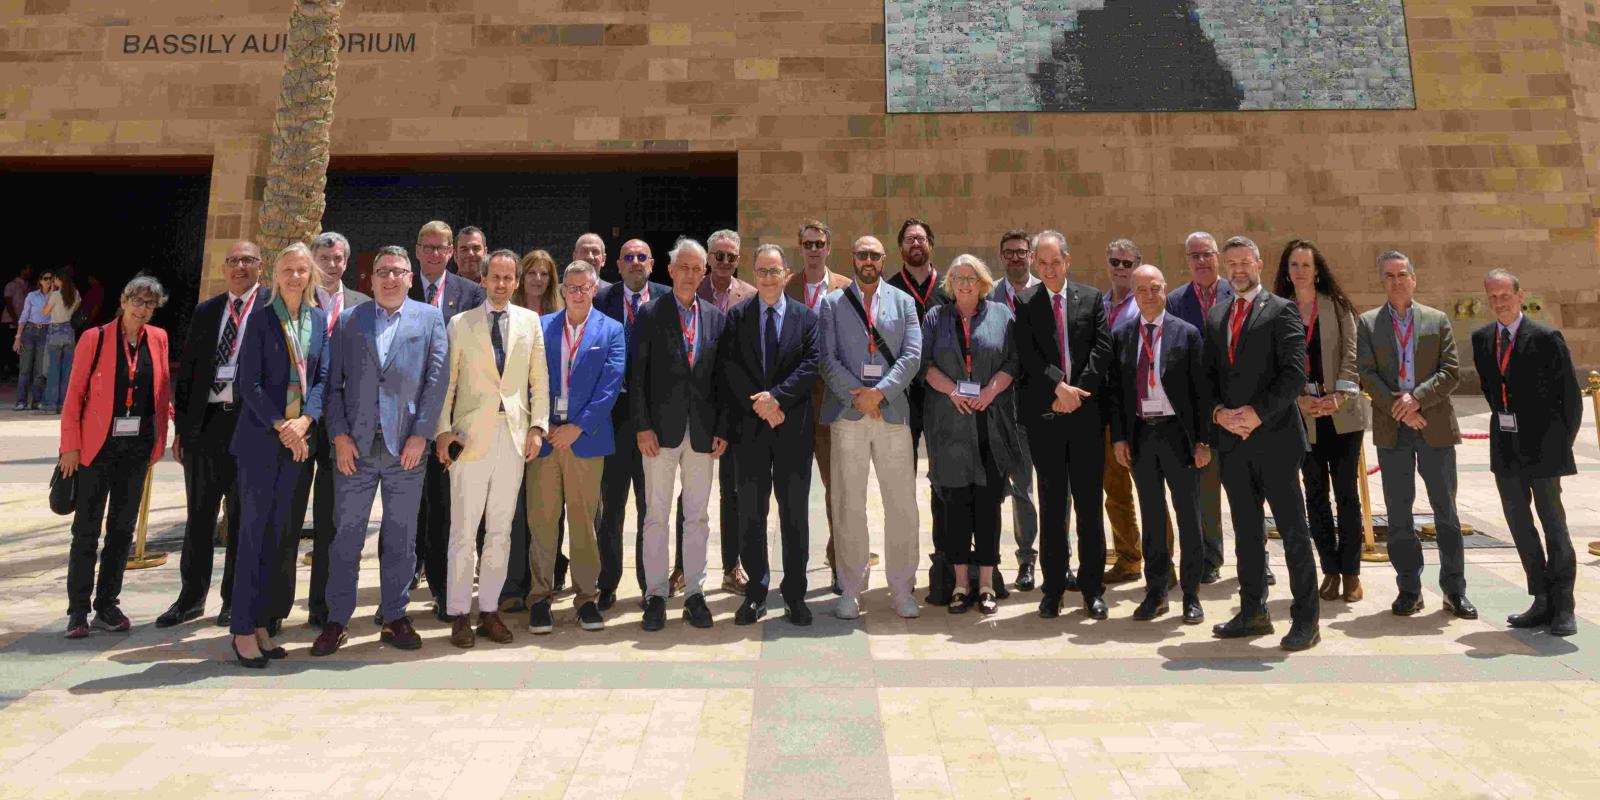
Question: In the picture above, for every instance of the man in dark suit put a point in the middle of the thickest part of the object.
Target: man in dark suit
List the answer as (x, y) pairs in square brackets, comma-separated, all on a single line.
[(1531, 387), (1255, 354), (1160, 428), (624, 468), (452, 294), (1062, 349), (1019, 279), (1191, 303), (206, 410), (680, 429), (769, 364)]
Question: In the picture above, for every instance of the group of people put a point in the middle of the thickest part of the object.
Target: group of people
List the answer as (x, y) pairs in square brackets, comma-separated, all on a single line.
[(505, 409), (43, 323)]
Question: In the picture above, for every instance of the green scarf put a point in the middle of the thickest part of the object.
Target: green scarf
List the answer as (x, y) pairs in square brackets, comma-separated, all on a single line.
[(297, 338)]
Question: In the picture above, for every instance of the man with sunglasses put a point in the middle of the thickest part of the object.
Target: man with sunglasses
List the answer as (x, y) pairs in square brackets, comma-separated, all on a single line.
[(723, 289), (1191, 303)]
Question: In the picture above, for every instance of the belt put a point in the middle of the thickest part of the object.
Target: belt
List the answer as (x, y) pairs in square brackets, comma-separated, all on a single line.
[(35, 325), (223, 405), (1161, 420)]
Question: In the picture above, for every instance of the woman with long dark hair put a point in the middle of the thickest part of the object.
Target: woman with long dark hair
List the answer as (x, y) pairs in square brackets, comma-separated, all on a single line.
[(1334, 412), (59, 339)]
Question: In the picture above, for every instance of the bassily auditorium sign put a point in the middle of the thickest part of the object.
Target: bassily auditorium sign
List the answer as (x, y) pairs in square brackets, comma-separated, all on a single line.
[(215, 43)]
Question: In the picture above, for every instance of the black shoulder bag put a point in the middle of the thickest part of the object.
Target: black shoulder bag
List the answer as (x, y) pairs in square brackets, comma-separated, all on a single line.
[(64, 491)]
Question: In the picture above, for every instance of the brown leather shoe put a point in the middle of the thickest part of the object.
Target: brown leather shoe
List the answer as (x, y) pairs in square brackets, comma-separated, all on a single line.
[(461, 631), (675, 583), (330, 640), (1329, 590), (1122, 573), (734, 580), (491, 628), (401, 634), (1352, 588)]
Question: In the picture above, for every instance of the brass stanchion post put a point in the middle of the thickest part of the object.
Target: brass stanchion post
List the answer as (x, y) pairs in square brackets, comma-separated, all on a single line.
[(140, 559), (1369, 544), (1594, 396)]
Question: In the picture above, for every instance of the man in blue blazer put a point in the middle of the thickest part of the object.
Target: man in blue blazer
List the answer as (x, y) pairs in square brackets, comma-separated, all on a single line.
[(586, 354), (386, 385), (1161, 430), (1191, 303), (769, 364)]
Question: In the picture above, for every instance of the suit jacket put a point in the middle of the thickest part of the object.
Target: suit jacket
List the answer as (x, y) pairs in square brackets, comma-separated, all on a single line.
[(1267, 373), (790, 379), (87, 411), (598, 370), (262, 382), (669, 396), (404, 394), (1339, 371), (1542, 390), (1182, 374), (1039, 352), (352, 298), (1001, 293), (1183, 302), (738, 292), (460, 294), (842, 341), (197, 365), (475, 391), (795, 289), (1377, 358), (610, 301)]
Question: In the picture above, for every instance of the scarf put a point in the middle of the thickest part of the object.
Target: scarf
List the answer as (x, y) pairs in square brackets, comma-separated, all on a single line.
[(297, 338)]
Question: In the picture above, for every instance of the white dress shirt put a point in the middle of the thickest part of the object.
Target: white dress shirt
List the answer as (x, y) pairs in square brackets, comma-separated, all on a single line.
[(1159, 391), (227, 395)]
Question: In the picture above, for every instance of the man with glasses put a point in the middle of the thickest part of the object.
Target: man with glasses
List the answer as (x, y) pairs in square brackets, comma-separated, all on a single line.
[(1191, 303), (471, 248), (1018, 260), (723, 289), (624, 467), (452, 294), (205, 412)]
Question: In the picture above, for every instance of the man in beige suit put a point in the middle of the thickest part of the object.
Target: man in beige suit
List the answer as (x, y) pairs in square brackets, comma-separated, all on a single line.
[(497, 363)]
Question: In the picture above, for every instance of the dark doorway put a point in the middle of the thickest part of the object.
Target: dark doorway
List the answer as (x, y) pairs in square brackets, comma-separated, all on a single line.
[(527, 203), (112, 220)]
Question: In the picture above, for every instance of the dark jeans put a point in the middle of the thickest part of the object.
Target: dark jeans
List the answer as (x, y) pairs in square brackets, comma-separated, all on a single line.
[(31, 365), (209, 477), (1335, 458), (1550, 565), (1401, 464), (115, 479), (320, 475)]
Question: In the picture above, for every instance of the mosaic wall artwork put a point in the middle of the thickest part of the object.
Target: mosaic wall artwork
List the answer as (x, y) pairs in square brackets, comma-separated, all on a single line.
[(1146, 55)]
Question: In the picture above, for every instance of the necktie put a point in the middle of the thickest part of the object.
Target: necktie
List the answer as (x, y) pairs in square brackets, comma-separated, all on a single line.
[(1061, 336), (496, 340), (1505, 339), (769, 354), (1142, 374), (230, 334), (633, 309), (433, 292)]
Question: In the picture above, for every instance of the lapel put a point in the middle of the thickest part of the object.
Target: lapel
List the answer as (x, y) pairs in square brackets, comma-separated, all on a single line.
[(789, 336), (369, 335), (1169, 343), (1386, 320), (1519, 345), (750, 335)]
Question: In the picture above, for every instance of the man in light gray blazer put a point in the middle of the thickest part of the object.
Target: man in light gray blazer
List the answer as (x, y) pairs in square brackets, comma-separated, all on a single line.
[(1406, 353), (870, 347)]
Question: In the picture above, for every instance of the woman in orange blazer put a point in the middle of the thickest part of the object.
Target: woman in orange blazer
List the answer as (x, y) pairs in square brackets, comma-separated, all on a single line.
[(113, 428)]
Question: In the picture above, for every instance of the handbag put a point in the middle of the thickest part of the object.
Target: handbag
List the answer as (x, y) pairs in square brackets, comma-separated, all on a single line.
[(63, 492)]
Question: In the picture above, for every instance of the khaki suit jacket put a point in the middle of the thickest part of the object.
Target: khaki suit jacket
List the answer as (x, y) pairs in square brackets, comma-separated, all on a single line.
[(476, 391), (1438, 372)]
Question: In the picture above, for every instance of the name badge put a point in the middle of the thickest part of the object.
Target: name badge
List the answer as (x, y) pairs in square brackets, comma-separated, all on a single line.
[(1150, 408), (968, 389), (226, 372), (1507, 421), (125, 426), (1313, 390), (561, 407), (872, 370)]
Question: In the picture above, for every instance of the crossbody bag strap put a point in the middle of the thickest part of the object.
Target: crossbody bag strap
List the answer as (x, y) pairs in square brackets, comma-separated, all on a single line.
[(877, 338)]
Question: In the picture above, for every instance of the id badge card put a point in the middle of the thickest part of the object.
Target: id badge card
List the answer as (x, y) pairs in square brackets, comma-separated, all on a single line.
[(1507, 421), (226, 372), (1150, 408), (873, 371), (125, 426), (1313, 390), (968, 389), (561, 407)]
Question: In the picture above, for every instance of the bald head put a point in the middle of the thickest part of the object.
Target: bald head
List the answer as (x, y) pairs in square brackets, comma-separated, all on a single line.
[(242, 266), (635, 262), (1149, 291)]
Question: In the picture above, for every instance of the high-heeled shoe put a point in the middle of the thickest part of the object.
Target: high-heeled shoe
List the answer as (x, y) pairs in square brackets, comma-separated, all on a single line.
[(259, 662), (276, 653)]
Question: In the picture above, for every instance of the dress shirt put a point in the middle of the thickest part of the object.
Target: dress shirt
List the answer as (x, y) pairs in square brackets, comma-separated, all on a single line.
[(686, 314), (1408, 353), (388, 324), (567, 352), (1513, 328), (16, 293), (815, 292), (427, 284), (33, 309), (1249, 299), (1011, 291), (1126, 310), (627, 299), (761, 324), (245, 309), (1160, 391)]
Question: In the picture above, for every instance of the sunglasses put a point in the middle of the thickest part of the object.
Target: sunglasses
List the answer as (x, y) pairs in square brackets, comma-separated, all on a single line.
[(636, 258), (725, 258), (1121, 262), (868, 255), (823, 245)]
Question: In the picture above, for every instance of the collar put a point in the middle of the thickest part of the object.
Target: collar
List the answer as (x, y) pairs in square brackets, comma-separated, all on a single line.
[(387, 314), (426, 283), (1011, 288), (248, 293), (567, 320), (489, 307), (1250, 296), (628, 294), (685, 309), (1513, 327), (1410, 311), (779, 306), (1160, 320), (1061, 294)]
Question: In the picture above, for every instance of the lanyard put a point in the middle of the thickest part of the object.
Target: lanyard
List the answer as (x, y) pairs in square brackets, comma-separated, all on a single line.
[(814, 293), (574, 340), (291, 338), (627, 308), (438, 289), (872, 322), (1311, 325), (1206, 298), (1112, 315), (1504, 360), (1011, 299), (1236, 327), (923, 298), (238, 323), (688, 332), (1150, 346), (131, 355), (1403, 341), (338, 306), (966, 343)]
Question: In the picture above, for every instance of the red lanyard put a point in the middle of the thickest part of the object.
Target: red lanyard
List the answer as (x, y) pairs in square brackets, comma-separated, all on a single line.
[(872, 322), (1206, 298), (1403, 341), (1011, 299), (574, 340), (688, 332), (338, 306), (438, 289), (1505, 362), (966, 339), (813, 297), (238, 323), (1111, 316), (923, 298), (131, 354), (644, 297), (1311, 326), (1236, 327), (1150, 346)]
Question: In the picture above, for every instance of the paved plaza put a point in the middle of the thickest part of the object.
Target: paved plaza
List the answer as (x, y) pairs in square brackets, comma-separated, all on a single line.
[(940, 706)]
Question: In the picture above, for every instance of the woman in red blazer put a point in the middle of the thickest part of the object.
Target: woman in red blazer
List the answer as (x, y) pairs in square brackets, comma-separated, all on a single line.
[(113, 428)]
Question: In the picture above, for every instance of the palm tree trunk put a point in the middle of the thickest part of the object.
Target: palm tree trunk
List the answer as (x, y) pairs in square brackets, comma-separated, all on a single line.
[(297, 165)]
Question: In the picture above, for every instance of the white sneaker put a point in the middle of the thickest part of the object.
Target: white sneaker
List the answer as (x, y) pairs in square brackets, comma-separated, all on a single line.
[(906, 606), (847, 608)]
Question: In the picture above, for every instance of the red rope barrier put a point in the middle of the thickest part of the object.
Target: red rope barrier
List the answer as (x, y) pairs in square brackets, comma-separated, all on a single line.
[(1467, 436)]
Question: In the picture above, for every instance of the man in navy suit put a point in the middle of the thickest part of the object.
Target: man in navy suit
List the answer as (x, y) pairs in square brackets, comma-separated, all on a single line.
[(433, 283), (769, 362), (1160, 428), (386, 385), (624, 468), (680, 429)]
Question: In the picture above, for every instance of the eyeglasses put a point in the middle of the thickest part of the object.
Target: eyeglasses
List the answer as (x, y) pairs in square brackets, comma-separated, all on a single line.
[(578, 290), (1202, 255), (636, 258), (914, 239), (815, 245), (1014, 254), (141, 302), (722, 257), (390, 273), (1121, 262), (242, 261), (770, 272), (868, 255), (963, 280), (436, 248)]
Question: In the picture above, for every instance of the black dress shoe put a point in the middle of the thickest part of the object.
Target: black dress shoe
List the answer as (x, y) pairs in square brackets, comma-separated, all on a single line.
[(749, 613), (1272, 580), (695, 611), (1024, 581), (1050, 606), (225, 616), (439, 613), (177, 615), (1151, 607), (1095, 607), (276, 653), (798, 613), (607, 600), (256, 662), (1563, 622), (1302, 636), (1072, 581), (655, 613), (1192, 613), (1210, 576), (1256, 623), (1459, 605), (1537, 614), (1406, 604), (377, 617), (1000, 590)]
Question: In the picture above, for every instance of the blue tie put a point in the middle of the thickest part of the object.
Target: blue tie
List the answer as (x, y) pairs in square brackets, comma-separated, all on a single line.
[(769, 355)]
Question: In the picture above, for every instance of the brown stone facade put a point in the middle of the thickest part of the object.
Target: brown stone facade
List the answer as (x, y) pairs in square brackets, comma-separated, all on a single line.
[(1499, 165)]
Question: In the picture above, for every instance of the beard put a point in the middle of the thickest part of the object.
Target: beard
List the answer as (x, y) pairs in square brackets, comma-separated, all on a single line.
[(917, 259)]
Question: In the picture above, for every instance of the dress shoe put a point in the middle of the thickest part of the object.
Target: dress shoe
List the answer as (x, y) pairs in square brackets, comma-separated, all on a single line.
[(461, 634), (225, 616), (77, 626), (111, 619), (1537, 614), (959, 603), (607, 600), (1210, 575), (749, 613), (274, 653), (1151, 607), (1256, 623), (539, 620), (317, 621), (1406, 604), (906, 606), (1024, 581), (1192, 613), (441, 613), (1095, 607), (798, 613), (1460, 606), (848, 607), (330, 640), (734, 580), (589, 618), (1329, 589), (695, 611), (513, 605), (997, 581), (655, 613), (177, 615), (491, 627), (1272, 580), (987, 604), (1352, 589), (377, 617), (1071, 584), (1121, 573), (1050, 606), (1563, 622), (249, 662), (401, 634), (675, 582), (1302, 636)]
